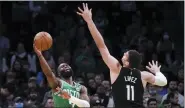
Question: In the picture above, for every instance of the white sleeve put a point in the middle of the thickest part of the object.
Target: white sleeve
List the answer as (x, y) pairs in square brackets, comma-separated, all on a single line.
[(79, 102), (160, 79)]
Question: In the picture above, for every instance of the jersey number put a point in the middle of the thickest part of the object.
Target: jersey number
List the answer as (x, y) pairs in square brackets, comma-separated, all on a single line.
[(130, 92)]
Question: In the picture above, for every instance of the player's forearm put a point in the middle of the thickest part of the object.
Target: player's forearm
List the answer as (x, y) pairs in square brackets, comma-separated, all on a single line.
[(79, 102), (48, 72), (160, 79), (44, 65), (96, 34)]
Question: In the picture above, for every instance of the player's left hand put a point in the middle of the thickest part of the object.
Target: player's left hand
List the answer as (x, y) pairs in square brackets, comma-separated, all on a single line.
[(86, 13), (153, 67), (63, 94)]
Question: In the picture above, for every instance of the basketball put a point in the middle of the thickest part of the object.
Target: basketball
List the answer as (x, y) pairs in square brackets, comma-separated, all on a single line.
[(43, 41)]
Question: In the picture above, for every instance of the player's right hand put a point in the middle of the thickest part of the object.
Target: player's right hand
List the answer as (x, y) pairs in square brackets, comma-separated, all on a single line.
[(37, 51), (63, 94), (153, 67), (86, 13)]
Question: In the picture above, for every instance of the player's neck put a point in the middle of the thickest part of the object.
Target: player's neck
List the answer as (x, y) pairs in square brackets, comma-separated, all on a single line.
[(70, 81)]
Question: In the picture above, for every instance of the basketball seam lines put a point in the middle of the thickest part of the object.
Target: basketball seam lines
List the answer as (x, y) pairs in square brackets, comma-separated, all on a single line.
[(41, 42), (45, 40)]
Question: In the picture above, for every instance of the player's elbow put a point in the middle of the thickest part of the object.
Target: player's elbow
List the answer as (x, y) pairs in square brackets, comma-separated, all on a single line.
[(164, 82), (86, 104), (161, 81)]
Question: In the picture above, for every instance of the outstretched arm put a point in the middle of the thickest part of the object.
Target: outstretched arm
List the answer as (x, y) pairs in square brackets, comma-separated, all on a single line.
[(110, 61), (52, 80), (157, 79)]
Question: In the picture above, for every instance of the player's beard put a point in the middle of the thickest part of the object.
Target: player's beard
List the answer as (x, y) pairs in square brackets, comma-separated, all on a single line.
[(67, 75)]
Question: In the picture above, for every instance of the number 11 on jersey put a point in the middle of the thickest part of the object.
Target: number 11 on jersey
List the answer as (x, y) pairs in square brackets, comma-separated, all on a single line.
[(130, 92)]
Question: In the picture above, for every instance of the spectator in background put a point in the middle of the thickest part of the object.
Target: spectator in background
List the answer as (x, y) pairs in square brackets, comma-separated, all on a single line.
[(90, 75), (10, 77), (173, 98), (32, 85), (80, 80), (181, 88), (165, 48), (108, 98), (152, 89), (47, 96), (33, 98), (60, 42), (152, 103), (67, 56), (178, 60), (61, 59), (165, 104), (24, 59), (49, 103), (101, 20), (49, 58), (172, 88), (96, 101), (98, 79), (92, 86), (7, 95), (84, 60), (180, 75), (18, 102), (161, 91), (4, 48)]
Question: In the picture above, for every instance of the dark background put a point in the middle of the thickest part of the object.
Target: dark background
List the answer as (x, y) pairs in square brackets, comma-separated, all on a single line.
[(138, 25)]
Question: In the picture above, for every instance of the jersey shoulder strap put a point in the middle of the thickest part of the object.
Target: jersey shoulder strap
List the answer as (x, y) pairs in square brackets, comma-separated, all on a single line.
[(77, 86)]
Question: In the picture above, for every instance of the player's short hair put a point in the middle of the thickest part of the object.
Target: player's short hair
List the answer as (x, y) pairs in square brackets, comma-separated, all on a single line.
[(134, 59), (150, 100)]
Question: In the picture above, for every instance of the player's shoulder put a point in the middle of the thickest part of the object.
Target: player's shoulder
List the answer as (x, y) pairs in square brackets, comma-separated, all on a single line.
[(79, 85), (83, 88)]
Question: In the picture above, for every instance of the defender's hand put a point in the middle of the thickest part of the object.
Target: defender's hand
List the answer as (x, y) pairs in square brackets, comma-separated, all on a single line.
[(86, 13), (63, 94), (153, 67), (37, 51)]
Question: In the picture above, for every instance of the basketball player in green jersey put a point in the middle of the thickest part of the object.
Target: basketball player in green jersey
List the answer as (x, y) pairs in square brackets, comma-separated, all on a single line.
[(66, 93)]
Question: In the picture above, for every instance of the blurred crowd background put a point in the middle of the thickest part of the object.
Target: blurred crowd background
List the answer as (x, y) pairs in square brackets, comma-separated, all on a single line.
[(155, 29)]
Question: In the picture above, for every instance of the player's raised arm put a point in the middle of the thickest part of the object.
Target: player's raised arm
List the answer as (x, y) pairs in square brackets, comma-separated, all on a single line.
[(157, 79), (110, 61), (52, 80)]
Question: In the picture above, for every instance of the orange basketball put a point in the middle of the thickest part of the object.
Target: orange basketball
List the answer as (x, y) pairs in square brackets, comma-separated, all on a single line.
[(43, 41)]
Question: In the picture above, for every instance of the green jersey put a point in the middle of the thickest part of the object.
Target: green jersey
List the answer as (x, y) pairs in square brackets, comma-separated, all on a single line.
[(73, 90)]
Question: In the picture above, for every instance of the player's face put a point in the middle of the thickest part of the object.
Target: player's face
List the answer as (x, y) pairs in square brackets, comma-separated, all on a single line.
[(125, 59), (65, 70), (65, 67)]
